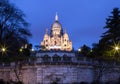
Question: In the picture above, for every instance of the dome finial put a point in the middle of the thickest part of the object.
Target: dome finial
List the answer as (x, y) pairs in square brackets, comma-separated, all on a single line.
[(56, 17), (46, 30), (65, 30)]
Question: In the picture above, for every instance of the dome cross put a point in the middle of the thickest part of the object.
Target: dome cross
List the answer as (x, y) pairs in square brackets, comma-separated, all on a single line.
[(56, 17)]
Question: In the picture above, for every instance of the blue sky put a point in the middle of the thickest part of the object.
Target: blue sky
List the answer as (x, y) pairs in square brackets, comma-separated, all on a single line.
[(83, 19)]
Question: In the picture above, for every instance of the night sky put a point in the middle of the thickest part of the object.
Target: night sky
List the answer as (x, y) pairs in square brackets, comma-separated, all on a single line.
[(83, 19)]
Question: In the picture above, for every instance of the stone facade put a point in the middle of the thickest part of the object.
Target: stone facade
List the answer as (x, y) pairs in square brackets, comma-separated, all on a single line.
[(56, 40)]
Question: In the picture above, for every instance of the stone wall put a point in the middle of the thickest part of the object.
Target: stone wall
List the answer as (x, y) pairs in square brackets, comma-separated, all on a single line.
[(46, 74), (29, 75), (63, 74)]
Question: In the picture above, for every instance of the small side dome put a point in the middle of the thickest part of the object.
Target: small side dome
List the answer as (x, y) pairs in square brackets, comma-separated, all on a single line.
[(46, 36), (65, 35)]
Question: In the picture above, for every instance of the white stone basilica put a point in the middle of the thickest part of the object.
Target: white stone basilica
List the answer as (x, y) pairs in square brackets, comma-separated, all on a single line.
[(60, 65), (56, 40)]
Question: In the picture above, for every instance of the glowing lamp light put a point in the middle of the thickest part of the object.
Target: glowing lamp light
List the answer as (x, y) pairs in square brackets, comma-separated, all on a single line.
[(79, 49), (3, 49), (116, 48), (32, 49), (20, 50)]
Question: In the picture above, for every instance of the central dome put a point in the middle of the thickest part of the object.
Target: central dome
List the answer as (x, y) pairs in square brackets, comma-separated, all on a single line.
[(56, 24), (56, 28)]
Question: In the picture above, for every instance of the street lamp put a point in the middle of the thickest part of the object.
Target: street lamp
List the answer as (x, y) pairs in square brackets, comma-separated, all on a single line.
[(116, 53), (79, 50), (3, 49), (21, 50), (32, 50), (116, 48)]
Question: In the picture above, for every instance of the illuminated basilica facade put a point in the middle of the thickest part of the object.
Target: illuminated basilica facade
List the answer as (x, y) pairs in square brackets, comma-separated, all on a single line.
[(56, 39)]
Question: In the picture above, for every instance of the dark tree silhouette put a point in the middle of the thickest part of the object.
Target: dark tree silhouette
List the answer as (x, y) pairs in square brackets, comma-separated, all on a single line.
[(104, 51), (13, 35), (105, 48), (111, 37), (85, 50), (113, 25), (13, 29)]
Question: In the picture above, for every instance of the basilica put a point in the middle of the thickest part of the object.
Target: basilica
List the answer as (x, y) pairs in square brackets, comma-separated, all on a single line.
[(56, 39), (57, 63)]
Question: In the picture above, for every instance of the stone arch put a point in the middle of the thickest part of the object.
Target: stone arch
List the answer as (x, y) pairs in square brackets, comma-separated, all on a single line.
[(46, 58), (56, 58), (66, 58)]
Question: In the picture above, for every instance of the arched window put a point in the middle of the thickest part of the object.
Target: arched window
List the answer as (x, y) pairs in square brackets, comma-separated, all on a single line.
[(56, 58), (66, 58), (46, 58)]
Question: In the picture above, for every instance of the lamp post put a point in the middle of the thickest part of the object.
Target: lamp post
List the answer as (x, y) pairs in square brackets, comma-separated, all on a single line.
[(117, 53)]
